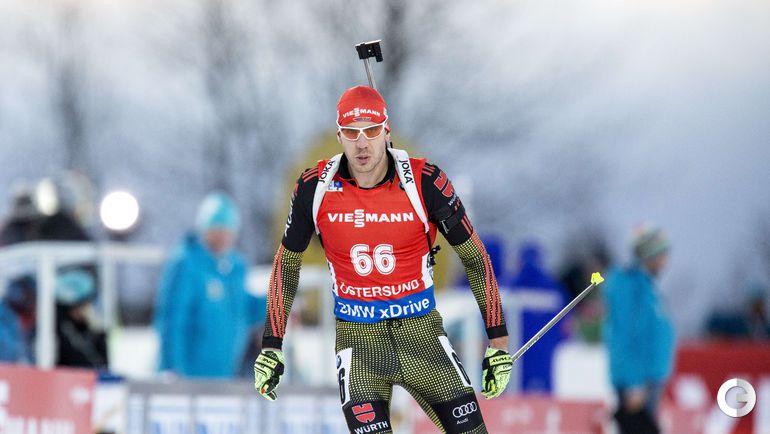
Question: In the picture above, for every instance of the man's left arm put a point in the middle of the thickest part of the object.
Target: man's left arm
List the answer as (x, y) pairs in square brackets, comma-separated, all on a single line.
[(447, 211)]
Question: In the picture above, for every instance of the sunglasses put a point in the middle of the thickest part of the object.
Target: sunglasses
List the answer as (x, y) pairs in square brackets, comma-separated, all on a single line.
[(370, 132)]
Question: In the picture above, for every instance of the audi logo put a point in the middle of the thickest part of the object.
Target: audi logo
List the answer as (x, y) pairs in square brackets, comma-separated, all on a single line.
[(464, 410)]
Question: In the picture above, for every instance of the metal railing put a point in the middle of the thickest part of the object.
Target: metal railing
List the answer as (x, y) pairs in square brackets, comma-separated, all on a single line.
[(44, 258)]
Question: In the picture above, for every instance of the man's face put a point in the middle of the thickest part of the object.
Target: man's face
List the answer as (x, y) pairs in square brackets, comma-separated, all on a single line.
[(218, 240), (364, 155), (656, 264)]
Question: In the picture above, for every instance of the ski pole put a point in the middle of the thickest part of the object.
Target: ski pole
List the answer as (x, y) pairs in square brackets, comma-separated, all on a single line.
[(596, 279)]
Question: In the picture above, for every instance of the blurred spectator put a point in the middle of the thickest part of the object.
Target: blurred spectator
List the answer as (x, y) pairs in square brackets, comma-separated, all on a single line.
[(17, 321), (586, 256), (23, 219), (638, 333), (79, 342), (757, 319), (751, 322), (203, 312), (18, 307), (68, 203), (533, 281)]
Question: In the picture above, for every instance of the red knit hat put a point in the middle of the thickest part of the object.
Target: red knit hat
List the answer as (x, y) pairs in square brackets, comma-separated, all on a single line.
[(361, 103)]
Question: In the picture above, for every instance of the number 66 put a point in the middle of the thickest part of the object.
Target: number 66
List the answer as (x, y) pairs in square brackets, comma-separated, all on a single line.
[(382, 259)]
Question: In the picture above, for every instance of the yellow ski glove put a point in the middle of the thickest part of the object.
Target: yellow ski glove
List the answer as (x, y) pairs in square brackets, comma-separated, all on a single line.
[(496, 372), (268, 369)]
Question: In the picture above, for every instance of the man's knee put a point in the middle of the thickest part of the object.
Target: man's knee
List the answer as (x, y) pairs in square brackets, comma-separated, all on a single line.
[(368, 417), (459, 415)]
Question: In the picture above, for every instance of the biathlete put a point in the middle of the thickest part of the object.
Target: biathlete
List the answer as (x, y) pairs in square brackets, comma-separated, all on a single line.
[(376, 212)]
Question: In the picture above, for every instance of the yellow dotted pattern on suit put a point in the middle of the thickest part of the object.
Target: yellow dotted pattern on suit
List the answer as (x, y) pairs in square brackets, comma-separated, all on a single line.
[(405, 352), (284, 281), (482, 280)]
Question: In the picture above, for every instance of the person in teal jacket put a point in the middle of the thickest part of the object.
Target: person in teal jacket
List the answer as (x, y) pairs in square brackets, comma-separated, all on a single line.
[(638, 332), (203, 314)]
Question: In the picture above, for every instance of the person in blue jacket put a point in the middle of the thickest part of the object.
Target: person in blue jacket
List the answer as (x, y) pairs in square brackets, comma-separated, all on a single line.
[(638, 332), (203, 314), (17, 321)]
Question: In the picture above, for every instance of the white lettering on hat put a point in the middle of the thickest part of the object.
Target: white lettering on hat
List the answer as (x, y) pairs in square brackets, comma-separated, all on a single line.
[(358, 111)]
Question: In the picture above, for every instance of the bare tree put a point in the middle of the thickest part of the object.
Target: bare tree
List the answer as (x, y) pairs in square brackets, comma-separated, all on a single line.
[(397, 45), (268, 75), (235, 133), (221, 43), (219, 71), (69, 89)]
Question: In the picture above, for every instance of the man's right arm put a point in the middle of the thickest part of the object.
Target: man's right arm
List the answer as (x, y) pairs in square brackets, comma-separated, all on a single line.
[(284, 277)]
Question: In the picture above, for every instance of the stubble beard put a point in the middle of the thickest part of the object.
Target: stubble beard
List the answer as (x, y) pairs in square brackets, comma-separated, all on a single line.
[(375, 159)]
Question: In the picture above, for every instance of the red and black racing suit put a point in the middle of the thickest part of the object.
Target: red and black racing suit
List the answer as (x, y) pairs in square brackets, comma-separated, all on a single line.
[(388, 331)]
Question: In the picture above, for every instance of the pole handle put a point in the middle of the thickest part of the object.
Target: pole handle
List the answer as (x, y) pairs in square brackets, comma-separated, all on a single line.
[(367, 50)]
